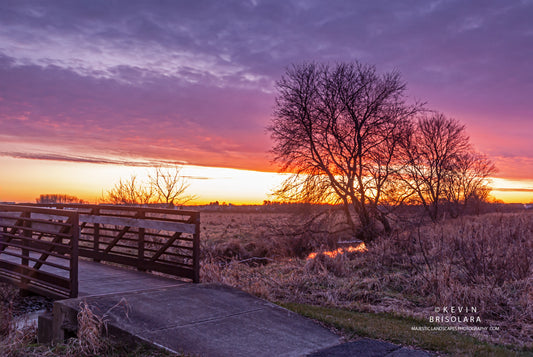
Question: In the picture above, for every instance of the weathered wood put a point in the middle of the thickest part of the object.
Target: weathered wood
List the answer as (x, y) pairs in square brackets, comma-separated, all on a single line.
[(196, 248), (73, 274), (165, 246), (116, 239), (96, 232), (141, 266), (29, 274), (59, 252), (140, 223), (125, 235), (122, 243), (29, 235), (45, 262), (8, 234)]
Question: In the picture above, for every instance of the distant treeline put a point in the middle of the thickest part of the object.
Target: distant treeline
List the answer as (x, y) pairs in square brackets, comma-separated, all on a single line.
[(58, 198), (291, 207)]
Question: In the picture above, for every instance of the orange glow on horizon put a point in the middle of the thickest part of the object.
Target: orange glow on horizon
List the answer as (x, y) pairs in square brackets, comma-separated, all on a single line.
[(23, 180)]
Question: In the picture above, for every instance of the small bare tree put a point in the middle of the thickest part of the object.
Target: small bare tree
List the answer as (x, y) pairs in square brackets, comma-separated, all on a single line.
[(432, 152), (169, 186), (468, 182), (130, 192), (165, 185)]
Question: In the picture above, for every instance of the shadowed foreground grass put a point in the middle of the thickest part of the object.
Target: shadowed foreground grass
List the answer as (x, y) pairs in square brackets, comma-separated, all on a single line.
[(398, 330), (474, 261)]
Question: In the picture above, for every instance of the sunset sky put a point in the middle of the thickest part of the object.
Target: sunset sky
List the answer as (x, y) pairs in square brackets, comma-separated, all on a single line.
[(91, 91)]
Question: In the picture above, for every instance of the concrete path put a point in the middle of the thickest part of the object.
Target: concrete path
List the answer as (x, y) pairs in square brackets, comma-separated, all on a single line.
[(366, 347), (208, 320), (203, 319)]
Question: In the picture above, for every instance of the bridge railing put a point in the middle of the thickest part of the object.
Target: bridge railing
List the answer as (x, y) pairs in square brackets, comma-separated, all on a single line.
[(39, 249), (149, 239)]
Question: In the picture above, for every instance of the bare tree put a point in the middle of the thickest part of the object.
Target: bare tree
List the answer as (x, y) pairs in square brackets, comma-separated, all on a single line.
[(165, 185), (468, 182), (169, 185), (432, 153), (337, 130), (130, 192)]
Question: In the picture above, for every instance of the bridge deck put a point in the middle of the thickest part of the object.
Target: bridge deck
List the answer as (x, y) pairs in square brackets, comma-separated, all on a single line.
[(99, 279), (207, 320), (199, 319)]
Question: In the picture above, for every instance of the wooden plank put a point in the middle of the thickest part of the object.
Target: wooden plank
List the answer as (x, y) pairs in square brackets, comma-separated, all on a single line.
[(59, 240), (47, 263), (6, 235), (119, 208), (7, 222), (96, 232), (172, 269), (175, 247), (59, 232), (111, 225), (140, 246), (46, 290), (26, 233), (116, 239), (129, 260), (6, 214), (73, 274), (165, 246), (42, 246), (37, 209), (196, 249), (140, 223), (28, 273)]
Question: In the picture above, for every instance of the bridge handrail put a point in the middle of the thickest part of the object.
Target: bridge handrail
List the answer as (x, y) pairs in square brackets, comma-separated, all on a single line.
[(29, 235), (154, 239)]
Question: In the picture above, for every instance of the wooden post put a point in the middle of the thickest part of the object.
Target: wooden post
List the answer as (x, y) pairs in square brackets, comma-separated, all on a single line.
[(141, 266), (96, 234), (196, 248), (26, 233), (2, 246), (74, 239)]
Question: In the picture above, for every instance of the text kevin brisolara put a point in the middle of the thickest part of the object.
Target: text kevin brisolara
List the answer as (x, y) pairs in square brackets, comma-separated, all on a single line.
[(446, 314)]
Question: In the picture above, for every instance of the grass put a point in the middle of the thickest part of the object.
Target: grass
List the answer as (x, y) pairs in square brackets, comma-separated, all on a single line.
[(476, 261), (472, 261), (397, 329)]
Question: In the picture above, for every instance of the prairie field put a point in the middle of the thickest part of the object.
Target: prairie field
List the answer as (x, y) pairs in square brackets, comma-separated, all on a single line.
[(481, 265)]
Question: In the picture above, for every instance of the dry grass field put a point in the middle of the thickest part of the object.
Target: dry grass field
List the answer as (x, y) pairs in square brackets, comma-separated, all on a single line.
[(481, 263)]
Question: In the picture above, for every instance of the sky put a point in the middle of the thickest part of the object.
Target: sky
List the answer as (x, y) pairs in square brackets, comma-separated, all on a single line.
[(92, 91)]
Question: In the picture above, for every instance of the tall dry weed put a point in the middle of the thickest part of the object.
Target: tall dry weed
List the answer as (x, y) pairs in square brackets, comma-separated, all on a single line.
[(483, 262), (7, 296)]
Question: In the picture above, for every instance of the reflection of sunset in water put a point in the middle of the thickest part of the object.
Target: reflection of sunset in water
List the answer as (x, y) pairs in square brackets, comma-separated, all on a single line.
[(361, 247)]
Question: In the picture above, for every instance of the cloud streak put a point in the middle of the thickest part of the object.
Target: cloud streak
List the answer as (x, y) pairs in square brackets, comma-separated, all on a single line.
[(87, 159), (504, 189)]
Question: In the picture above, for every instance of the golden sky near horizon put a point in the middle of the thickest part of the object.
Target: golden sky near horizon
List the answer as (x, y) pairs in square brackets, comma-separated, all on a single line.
[(30, 178)]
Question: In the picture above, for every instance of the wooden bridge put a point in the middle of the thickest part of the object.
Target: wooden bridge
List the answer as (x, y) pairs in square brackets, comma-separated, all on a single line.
[(68, 251), (41, 247)]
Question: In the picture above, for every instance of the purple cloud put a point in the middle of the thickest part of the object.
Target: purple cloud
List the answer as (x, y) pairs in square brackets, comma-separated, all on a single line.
[(194, 81)]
